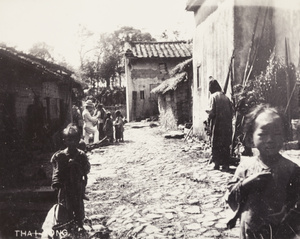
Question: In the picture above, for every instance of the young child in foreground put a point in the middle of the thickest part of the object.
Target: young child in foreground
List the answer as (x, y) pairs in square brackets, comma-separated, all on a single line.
[(265, 190), (70, 168)]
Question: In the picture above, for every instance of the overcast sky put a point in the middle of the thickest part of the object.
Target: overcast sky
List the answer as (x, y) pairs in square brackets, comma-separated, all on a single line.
[(56, 22)]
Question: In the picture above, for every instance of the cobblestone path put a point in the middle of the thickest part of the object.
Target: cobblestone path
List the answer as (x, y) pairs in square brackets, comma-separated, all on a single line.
[(152, 187)]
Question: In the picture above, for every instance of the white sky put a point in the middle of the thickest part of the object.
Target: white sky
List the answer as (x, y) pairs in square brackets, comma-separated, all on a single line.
[(56, 22)]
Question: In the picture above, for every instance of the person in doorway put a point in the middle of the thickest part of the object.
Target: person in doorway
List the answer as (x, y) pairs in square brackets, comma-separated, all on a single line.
[(119, 126), (70, 169), (90, 122), (36, 120), (265, 190), (220, 120), (108, 127)]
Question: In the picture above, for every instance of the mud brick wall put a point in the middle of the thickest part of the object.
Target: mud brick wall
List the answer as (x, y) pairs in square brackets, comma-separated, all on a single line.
[(174, 107), (183, 105), (167, 111)]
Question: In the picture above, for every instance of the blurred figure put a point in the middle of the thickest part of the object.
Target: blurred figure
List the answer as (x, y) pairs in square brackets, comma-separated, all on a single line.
[(119, 127), (90, 122), (220, 119), (108, 127), (101, 115), (77, 118)]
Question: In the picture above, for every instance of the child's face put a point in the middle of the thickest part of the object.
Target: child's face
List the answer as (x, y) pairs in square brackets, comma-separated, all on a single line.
[(72, 141), (268, 134)]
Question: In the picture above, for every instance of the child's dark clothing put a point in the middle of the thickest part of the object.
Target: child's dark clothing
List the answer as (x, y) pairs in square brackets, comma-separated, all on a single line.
[(69, 172), (259, 208), (119, 128), (109, 130)]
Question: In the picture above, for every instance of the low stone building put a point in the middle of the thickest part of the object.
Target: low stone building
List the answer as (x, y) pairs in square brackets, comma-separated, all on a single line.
[(35, 102), (35, 96), (147, 64), (174, 96)]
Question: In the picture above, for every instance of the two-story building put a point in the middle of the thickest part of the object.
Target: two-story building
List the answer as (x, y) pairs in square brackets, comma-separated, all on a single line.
[(247, 30), (147, 64)]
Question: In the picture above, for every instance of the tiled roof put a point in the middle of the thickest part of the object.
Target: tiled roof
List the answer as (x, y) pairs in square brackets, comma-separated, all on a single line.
[(175, 49), (35, 62), (45, 67)]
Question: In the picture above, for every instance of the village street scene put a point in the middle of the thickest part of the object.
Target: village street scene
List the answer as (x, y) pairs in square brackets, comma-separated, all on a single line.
[(138, 125)]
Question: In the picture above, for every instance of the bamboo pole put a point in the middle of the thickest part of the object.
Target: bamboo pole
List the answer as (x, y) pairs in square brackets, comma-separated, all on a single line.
[(257, 46), (288, 92), (228, 74), (188, 134), (251, 45)]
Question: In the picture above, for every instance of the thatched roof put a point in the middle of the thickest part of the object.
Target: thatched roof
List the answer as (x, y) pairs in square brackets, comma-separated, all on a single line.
[(183, 66), (178, 74), (170, 84)]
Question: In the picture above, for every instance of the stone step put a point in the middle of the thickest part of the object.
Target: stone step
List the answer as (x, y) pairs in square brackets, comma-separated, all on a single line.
[(27, 198)]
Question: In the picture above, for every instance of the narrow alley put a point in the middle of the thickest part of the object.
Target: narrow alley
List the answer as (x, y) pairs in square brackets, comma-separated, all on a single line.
[(153, 187)]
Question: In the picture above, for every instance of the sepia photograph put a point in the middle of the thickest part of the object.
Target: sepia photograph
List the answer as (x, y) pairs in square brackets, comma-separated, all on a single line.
[(139, 119)]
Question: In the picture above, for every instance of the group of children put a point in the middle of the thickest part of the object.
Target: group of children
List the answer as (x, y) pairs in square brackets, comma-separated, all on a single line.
[(118, 124), (99, 122), (264, 191)]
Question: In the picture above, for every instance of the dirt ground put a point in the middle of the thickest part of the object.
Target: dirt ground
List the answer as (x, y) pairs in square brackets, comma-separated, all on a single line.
[(153, 187)]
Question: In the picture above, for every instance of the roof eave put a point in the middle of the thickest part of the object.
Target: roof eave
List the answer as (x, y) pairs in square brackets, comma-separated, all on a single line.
[(193, 5)]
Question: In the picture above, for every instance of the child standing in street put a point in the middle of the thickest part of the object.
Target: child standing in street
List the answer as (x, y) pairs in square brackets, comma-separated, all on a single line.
[(100, 114), (108, 127), (119, 126), (70, 169), (265, 190)]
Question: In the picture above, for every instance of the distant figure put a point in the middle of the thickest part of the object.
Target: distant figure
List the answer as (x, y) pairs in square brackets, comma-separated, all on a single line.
[(265, 190), (90, 122), (70, 169), (119, 127), (77, 118), (108, 127), (35, 119), (101, 115), (220, 120)]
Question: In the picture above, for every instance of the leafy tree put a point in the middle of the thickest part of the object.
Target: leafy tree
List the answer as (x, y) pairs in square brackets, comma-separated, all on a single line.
[(269, 87), (41, 50), (130, 34), (105, 63)]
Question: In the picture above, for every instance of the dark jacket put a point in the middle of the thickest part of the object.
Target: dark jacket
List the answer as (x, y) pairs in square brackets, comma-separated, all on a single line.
[(61, 166), (68, 175)]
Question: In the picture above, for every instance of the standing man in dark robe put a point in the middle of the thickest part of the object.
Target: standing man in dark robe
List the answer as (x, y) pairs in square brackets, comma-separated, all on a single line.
[(220, 117)]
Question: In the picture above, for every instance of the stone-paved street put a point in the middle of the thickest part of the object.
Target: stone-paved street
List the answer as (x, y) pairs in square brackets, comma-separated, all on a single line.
[(152, 187)]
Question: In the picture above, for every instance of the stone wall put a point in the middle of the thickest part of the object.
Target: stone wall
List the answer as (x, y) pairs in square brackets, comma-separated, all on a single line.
[(167, 111), (175, 107), (20, 90)]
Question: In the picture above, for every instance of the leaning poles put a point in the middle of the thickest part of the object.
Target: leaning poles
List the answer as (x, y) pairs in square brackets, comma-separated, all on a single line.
[(250, 48), (229, 73), (251, 58)]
